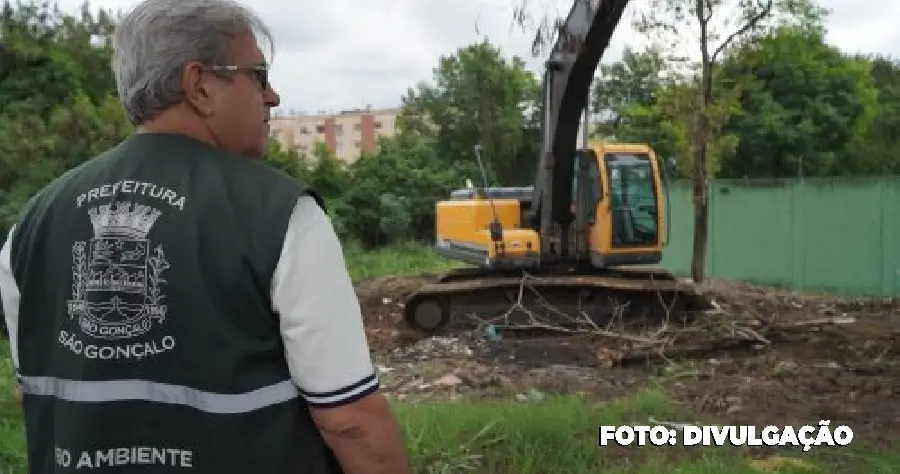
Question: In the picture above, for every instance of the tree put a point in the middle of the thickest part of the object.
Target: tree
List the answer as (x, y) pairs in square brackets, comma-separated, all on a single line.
[(395, 190), (876, 151), (628, 91), (477, 97), (633, 81), (706, 25), (57, 103), (804, 105)]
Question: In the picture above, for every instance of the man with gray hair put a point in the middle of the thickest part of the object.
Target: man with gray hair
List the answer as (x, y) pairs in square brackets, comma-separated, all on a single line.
[(175, 304)]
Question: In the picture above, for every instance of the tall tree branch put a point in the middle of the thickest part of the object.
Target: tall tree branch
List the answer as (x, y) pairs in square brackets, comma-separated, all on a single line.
[(751, 23)]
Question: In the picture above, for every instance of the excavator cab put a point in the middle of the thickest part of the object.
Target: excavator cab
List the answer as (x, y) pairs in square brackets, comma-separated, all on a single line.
[(623, 203), (622, 207)]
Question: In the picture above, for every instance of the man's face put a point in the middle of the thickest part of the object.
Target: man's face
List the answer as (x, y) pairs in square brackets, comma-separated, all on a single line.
[(241, 104)]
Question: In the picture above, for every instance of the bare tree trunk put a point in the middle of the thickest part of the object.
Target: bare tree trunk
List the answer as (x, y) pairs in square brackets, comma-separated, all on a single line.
[(701, 152), (701, 181), (701, 212)]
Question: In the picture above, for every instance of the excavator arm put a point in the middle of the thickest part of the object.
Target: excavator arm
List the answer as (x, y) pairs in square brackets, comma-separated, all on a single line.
[(581, 41)]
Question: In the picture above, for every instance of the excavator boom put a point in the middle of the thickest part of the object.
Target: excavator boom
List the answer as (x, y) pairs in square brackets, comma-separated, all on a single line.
[(581, 41)]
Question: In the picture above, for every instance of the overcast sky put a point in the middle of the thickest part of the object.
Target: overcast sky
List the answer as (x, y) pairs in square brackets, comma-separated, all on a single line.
[(340, 54)]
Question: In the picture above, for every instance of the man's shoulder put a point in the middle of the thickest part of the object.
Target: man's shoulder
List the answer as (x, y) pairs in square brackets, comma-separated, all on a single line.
[(269, 180), (260, 169)]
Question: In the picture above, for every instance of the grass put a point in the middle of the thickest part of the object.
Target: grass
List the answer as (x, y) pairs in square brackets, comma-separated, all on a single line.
[(12, 433), (407, 259), (559, 435)]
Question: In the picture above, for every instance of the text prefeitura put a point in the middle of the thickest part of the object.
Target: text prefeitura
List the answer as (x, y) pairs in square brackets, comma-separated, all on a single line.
[(132, 187)]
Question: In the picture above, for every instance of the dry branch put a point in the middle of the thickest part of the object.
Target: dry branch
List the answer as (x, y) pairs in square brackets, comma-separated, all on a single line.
[(706, 333)]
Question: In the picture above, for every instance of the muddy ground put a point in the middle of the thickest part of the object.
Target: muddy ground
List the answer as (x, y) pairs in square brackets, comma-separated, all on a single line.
[(826, 359)]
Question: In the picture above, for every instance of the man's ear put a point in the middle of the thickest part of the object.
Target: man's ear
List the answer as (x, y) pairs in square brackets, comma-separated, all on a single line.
[(194, 84)]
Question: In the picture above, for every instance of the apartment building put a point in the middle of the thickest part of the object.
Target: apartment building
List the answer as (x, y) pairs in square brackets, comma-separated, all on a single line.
[(347, 133)]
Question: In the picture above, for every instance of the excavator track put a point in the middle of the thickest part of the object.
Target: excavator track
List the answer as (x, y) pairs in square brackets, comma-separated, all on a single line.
[(558, 299)]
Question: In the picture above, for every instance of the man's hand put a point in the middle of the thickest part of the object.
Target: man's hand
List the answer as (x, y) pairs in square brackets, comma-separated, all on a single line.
[(364, 436), (19, 394)]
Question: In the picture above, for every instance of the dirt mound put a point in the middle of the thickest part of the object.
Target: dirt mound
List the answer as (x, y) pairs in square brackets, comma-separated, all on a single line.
[(833, 376), (766, 356), (766, 300)]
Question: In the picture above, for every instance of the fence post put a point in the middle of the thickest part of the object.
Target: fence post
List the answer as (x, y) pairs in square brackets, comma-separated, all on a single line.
[(798, 233), (711, 201), (890, 270)]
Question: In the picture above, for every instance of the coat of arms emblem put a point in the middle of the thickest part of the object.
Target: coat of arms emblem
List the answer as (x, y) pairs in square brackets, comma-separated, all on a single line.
[(117, 275)]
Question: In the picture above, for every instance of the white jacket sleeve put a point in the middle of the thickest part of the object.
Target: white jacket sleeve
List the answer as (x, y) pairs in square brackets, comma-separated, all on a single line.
[(320, 318), (9, 294)]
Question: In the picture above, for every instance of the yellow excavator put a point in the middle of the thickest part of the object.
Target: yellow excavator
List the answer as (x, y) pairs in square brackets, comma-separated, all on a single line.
[(584, 240)]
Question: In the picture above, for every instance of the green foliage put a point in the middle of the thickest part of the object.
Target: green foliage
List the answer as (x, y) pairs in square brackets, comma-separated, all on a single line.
[(477, 97), (782, 98), (634, 91), (57, 99), (383, 197), (876, 150), (805, 102)]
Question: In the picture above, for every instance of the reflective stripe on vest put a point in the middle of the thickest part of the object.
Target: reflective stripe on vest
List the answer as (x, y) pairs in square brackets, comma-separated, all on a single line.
[(124, 390)]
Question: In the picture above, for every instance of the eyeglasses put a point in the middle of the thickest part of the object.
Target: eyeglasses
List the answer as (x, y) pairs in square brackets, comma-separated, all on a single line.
[(259, 73)]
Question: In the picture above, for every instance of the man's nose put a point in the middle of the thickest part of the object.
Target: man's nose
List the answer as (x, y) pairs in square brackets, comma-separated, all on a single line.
[(272, 98)]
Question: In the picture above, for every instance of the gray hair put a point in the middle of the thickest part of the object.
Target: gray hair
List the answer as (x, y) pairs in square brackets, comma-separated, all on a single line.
[(158, 37)]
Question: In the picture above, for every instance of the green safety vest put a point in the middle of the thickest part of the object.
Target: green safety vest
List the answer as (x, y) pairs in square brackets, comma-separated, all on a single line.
[(146, 338)]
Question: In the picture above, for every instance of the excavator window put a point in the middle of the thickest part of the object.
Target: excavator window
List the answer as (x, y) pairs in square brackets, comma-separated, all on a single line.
[(633, 199)]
